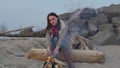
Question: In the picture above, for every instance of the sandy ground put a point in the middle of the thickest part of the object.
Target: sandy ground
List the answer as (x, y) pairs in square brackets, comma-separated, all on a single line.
[(13, 54)]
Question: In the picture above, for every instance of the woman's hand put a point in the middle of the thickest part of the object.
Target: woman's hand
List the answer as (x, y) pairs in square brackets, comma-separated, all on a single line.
[(48, 52)]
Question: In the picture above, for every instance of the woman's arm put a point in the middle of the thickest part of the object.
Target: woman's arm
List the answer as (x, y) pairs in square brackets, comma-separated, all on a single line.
[(61, 37), (48, 41), (62, 33), (59, 43)]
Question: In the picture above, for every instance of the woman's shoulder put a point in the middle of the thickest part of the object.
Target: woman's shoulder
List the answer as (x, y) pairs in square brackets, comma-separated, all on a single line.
[(62, 24)]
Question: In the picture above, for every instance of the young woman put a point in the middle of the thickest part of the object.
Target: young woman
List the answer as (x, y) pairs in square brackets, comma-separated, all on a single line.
[(56, 34)]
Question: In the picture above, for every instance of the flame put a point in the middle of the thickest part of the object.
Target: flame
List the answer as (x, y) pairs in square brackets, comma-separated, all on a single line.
[(49, 58)]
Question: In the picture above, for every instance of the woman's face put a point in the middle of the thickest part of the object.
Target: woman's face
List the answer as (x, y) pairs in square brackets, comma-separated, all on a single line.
[(53, 20)]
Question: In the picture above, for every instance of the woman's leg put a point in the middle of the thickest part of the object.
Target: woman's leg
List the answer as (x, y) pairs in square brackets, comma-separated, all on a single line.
[(54, 41), (66, 53)]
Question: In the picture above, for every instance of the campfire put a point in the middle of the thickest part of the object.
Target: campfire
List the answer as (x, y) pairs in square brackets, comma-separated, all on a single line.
[(52, 63)]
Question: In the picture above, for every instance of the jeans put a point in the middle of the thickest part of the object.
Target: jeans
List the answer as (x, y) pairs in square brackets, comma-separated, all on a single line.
[(64, 50)]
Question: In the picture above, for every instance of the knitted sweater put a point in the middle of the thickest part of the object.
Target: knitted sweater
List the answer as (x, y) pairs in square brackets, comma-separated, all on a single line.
[(62, 34)]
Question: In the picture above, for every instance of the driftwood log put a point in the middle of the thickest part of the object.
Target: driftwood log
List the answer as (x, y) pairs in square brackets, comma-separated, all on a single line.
[(1, 33), (90, 56)]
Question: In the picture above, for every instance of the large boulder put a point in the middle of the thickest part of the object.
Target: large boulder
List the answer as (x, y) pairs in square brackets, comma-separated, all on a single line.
[(101, 18), (93, 27), (65, 16), (116, 21), (87, 13), (111, 11), (105, 37), (70, 16), (117, 32), (75, 23), (105, 27), (79, 21), (97, 26), (78, 26)]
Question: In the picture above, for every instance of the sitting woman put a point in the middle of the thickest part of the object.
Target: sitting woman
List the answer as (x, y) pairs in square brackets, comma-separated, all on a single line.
[(57, 39)]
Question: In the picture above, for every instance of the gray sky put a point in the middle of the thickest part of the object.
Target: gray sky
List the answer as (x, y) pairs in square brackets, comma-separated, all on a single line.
[(23, 13)]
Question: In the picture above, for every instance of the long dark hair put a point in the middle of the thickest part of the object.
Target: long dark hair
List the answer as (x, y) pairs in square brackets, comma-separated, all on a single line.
[(48, 23)]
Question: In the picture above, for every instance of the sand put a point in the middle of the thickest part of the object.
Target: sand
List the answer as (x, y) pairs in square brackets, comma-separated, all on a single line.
[(13, 54)]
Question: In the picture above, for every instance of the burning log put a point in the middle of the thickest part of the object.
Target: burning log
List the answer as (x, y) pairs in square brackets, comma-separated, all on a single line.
[(91, 56), (52, 63)]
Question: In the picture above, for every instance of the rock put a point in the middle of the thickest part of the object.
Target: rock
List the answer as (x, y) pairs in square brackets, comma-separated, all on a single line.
[(111, 11), (105, 37), (117, 32), (105, 27), (75, 14), (74, 21), (83, 27), (87, 13), (92, 27), (76, 25), (68, 17), (101, 18), (116, 21), (65, 16), (2, 66)]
